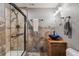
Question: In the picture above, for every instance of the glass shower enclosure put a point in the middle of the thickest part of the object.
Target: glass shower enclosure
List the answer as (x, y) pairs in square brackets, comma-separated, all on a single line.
[(15, 31)]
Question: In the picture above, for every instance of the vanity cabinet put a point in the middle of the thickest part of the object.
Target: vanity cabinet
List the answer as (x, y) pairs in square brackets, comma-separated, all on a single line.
[(56, 47)]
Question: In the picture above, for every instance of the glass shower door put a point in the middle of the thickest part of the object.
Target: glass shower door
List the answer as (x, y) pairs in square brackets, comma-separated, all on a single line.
[(14, 32), (21, 34), (17, 33)]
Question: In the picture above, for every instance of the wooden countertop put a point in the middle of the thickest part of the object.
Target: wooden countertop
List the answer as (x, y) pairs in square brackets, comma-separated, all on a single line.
[(55, 41)]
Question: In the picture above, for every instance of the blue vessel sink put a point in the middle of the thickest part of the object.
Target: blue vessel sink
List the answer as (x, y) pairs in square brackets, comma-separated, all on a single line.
[(54, 37)]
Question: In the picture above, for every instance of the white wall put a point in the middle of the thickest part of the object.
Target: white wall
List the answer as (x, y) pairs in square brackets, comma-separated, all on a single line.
[(42, 13), (73, 11), (1, 9)]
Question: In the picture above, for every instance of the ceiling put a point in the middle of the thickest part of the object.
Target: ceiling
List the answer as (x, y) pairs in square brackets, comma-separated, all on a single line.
[(38, 5)]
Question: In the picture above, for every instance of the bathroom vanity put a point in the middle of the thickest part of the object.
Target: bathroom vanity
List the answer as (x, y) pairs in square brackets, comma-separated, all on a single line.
[(56, 47)]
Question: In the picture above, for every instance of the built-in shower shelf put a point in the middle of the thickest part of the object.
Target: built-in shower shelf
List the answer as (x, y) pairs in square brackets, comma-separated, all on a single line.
[(17, 35)]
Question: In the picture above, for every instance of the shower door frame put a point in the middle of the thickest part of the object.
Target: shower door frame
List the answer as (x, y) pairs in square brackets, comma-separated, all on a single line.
[(25, 18)]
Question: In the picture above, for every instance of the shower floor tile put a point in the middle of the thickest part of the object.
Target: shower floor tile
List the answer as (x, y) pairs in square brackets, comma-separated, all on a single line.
[(33, 53), (14, 53)]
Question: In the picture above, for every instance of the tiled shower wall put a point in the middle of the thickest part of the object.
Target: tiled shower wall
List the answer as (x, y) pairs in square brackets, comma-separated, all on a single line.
[(37, 39), (43, 35), (6, 42), (14, 43), (2, 37), (2, 30), (17, 42), (45, 26), (7, 16)]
